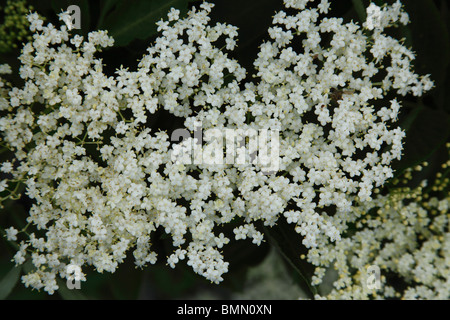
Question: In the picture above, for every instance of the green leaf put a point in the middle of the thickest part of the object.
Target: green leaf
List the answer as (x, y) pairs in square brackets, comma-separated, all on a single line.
[(360, 9), (106, 6), (426, 131), (69, 294), (10, 280), (430, 39), (241, 255), (136, 19), (416, 108), (173, 283), (288, 243), (125, 283)]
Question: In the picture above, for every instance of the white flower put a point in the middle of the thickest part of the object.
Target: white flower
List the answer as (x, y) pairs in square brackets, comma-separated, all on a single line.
[(11, 234), (374, 16)]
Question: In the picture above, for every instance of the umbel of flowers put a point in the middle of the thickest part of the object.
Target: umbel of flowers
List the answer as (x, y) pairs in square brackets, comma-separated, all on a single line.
[(102, 181), (404, 233)]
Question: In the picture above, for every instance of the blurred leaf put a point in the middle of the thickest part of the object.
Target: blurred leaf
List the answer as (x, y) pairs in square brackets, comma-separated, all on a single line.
[(426, 130), (173, 283), (360, 9), (430, 39), (28, 267), (241, 255), (415, 108), (10, 280), (288, 242), (136, 19), (124, 283), (106, 7), (68, 294)]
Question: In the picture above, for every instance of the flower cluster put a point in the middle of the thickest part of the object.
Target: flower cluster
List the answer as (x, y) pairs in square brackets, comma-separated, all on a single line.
[(404, 233), (102, 181)]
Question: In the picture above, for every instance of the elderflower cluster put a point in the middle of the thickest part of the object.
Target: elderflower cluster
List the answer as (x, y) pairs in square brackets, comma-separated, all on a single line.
[(405, 234), (103, 182)]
